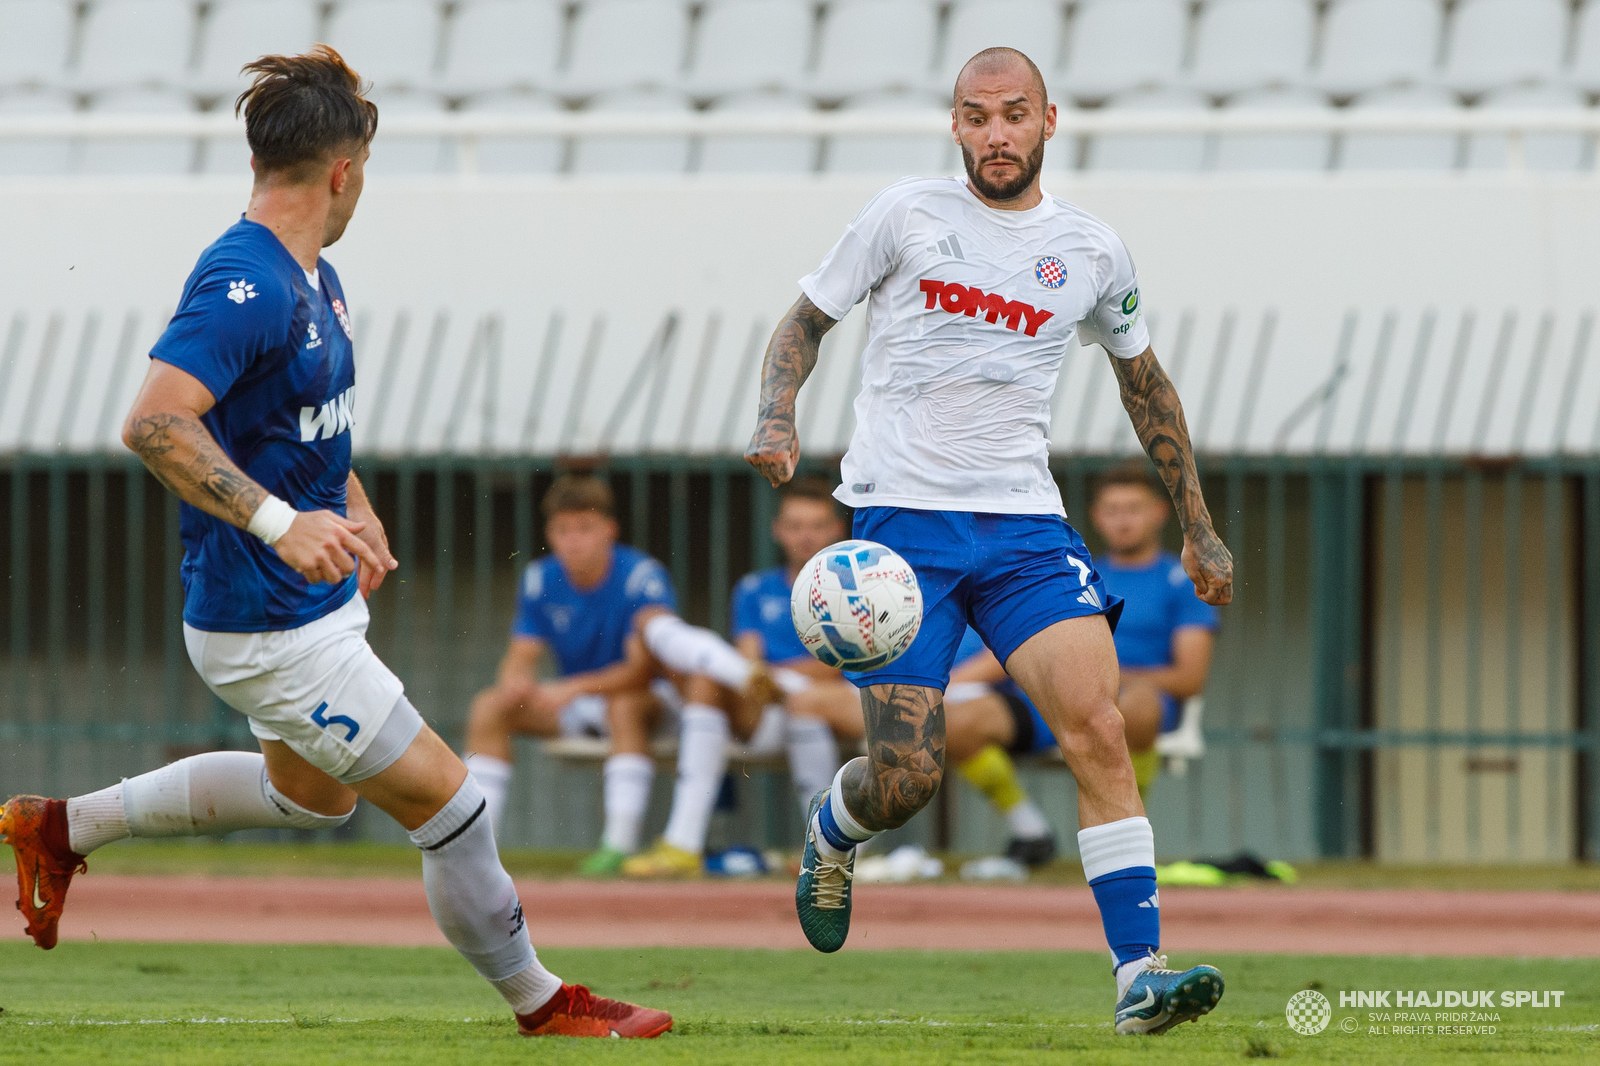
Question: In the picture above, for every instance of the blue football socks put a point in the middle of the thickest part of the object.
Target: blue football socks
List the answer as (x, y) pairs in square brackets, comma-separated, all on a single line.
[(1119, 863)]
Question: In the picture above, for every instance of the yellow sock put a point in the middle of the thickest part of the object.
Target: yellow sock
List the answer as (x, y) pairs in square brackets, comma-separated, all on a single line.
[(1146, 768), (992, 773)]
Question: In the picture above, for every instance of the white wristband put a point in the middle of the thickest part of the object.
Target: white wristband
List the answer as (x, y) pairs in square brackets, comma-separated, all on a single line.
[(271, 520)]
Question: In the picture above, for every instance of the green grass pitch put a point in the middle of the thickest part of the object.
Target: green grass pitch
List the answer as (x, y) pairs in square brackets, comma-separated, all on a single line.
[(306, 1006)]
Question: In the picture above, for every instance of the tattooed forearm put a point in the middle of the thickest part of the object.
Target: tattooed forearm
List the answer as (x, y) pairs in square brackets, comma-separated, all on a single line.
[(905, 755), (791, 355), (185, 458)]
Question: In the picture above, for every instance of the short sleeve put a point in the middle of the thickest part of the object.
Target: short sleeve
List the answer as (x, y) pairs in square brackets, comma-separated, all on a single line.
[(648, 584), (226, 322), (860, 261), (747, 606), (1117, 321), (530, 622), (1188, 609)]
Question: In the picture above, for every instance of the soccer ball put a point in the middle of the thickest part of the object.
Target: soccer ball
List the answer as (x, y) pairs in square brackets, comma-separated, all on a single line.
[(856, 605)]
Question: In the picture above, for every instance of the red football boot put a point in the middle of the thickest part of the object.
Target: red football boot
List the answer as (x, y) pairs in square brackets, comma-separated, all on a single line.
[(36, 829), (576, 1011)]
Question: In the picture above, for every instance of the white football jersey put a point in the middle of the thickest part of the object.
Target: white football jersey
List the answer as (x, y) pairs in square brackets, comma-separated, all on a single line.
[(971, 310)]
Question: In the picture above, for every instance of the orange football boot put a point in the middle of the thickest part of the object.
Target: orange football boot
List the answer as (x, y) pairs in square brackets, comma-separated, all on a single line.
[(36, 829), (576, 1011)]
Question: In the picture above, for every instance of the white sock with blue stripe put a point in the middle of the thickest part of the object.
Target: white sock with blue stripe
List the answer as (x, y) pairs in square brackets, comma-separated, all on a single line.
[(837, 831), (1119, 862)]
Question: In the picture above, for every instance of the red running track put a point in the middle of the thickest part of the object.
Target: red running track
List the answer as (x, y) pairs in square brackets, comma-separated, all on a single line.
[(761, 914)]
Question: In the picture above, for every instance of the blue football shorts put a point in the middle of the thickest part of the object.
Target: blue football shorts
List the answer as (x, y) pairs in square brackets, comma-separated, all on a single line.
[(1171, 712), (1010, 576), (1030, 735)]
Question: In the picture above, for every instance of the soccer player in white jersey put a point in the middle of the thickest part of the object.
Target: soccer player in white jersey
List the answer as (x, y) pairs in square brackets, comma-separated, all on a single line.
[(245, 416), (976, 289)]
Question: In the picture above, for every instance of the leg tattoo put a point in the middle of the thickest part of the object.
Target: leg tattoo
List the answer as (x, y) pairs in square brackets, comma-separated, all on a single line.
[(905, 761)]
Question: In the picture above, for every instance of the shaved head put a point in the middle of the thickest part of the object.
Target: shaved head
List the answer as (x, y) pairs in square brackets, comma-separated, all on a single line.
[(1002, 61)]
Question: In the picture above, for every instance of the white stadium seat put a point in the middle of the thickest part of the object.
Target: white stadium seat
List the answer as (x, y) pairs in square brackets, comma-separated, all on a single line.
[(1495, 43), (1275, 151), (760, 154), (518, 155), (634, 155), (388, 42), (1401, 151), (1371, 44), (1247, 44), (1540, 151), (136, 42), (1119, 45), (392, 154), (36, 157), (752, 44), (1032, 27), (35, 40), (241, 31), (924, 155), (876, 45), (627, 44), (1151, 151), (1586, 48), (504, 44), (155, 155)]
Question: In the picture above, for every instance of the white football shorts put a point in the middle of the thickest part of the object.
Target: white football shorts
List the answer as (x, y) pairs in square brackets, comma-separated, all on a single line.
[(771, 733), (586, 715), (319, 688)]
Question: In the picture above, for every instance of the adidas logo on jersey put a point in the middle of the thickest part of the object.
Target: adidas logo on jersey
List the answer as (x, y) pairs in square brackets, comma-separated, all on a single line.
[(949, 246), (969, 300), (331, 419)]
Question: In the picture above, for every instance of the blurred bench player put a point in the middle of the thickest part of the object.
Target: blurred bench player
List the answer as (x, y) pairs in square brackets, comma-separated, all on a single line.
[(949, 466), (245, 415)]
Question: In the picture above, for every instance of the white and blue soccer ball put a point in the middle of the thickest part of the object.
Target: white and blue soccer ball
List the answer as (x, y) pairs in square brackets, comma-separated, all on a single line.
[(856, 605)]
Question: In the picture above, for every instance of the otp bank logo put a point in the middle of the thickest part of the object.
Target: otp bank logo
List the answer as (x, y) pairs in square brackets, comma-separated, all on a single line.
[(969, 300)]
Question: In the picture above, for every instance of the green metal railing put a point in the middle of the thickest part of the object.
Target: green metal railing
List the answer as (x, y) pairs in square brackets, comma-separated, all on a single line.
[(1406, 671)]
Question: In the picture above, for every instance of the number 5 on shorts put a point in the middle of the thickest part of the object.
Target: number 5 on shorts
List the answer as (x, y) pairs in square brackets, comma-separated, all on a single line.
[(338, 719)]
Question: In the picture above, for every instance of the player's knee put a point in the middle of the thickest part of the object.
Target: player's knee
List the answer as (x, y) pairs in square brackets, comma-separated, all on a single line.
[(1097, 726), (298, 816), (697, 688), (905, 791)]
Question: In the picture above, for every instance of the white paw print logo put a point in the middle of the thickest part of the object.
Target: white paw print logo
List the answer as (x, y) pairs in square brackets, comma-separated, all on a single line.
[(241, 290)]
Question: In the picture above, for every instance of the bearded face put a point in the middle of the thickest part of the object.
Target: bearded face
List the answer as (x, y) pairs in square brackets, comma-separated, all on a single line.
[(1026, 170)]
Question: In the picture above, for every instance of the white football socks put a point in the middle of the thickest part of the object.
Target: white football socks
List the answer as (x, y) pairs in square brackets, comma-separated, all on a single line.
[(494, 781), (1026, 821), (813, 757), (833, 818), (628, 777), (702, 760), (689, 649)]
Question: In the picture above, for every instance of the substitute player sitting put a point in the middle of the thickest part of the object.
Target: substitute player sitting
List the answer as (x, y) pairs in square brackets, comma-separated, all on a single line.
[(949, 466), (245, 415), (578, 606)]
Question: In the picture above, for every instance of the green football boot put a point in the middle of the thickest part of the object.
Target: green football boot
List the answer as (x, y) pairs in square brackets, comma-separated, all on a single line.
[(822, 895), (607, 862)]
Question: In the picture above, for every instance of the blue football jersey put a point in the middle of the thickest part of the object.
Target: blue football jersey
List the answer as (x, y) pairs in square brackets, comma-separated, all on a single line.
[(761, 606), (275, 351), (1158, 599), (588, 630)]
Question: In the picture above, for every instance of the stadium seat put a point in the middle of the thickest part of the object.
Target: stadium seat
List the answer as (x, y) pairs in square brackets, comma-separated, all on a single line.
[(1585, 71), (1495, 43), (1119, 45), (35, 41), (36, 157), (1151, 151), (1401, 151), (154, 155), (876, 46), (1276, 151), (752, 44), (760, 155), (627, 44), (1541, 151), (1033, 27), (1372, 44), (504, 44), (393, 154), (518, 155), (1247, 44), (634, 155), (390, 42), (240, 31), (925, 155), (136, 42)]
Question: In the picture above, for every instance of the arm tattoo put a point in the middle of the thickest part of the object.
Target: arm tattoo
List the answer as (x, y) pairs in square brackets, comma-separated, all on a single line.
[(905, 755), (186, 458), (791, 355)]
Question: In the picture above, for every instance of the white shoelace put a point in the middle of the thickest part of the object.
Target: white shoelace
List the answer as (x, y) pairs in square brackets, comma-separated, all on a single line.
[(828, 881)]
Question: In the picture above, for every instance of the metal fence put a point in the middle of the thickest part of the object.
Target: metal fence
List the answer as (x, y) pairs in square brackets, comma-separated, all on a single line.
[(1406, 672)]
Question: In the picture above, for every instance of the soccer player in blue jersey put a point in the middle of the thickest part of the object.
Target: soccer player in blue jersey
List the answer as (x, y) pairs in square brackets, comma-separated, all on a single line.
[(949, 466), (245, 415)]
